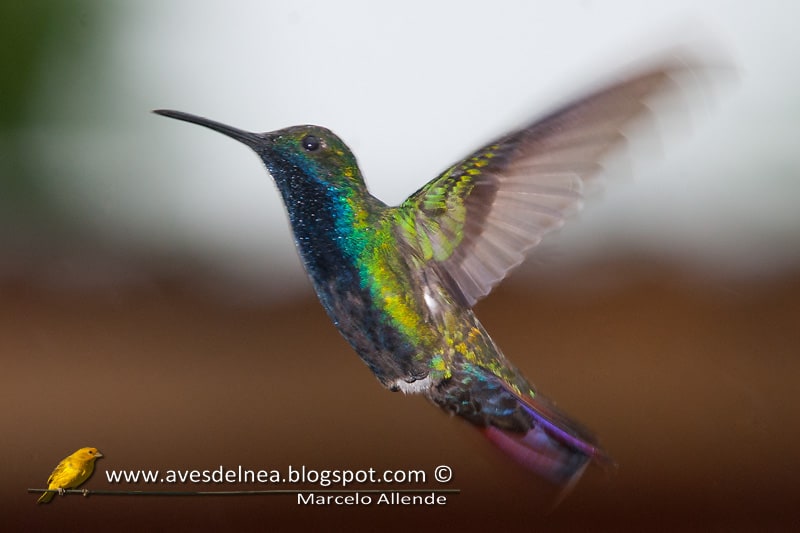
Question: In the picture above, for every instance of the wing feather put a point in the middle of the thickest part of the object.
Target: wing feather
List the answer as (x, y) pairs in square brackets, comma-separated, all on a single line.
[(477, 219)]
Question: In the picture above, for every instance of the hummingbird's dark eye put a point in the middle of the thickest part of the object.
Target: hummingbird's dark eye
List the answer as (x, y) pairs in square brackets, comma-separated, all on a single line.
[(310, 143)]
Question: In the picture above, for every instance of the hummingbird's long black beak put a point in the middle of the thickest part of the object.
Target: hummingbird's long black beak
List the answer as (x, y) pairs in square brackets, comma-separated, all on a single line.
[(250, 139)]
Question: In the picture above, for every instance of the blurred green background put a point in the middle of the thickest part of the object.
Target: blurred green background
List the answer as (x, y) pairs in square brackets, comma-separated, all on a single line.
[(152, 305)]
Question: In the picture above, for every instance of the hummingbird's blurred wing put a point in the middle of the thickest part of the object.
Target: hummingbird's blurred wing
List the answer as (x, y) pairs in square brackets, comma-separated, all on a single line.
[(478, 218)]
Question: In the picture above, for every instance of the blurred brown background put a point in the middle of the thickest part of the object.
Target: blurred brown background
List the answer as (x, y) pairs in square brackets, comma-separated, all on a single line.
[(151, 303), (690, 383)]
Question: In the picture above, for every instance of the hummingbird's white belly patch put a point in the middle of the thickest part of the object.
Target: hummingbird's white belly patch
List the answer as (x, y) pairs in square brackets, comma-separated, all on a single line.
[(415, 387)]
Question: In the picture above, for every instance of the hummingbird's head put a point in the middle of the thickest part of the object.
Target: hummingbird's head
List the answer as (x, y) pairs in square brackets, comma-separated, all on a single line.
[(297, 153), (316, 152)]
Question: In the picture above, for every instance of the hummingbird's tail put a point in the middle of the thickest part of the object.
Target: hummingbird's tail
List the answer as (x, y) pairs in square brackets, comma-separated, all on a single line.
[(538, 451), (555, 447), (527, 427)]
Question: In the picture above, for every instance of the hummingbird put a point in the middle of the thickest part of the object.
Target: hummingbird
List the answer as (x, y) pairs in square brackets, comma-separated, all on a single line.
[(399, 282)]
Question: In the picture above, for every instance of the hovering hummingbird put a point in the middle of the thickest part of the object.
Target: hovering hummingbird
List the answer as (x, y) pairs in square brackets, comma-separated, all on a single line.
[(400, 282)]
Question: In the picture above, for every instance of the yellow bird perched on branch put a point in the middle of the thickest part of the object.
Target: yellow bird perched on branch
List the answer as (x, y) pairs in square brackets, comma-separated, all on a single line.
[(71, 472)]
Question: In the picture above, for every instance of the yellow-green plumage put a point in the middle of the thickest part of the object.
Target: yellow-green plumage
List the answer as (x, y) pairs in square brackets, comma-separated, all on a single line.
[(71, 472)]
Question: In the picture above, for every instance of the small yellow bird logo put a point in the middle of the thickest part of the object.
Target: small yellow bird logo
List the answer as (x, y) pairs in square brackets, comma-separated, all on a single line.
[(71, 472)]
